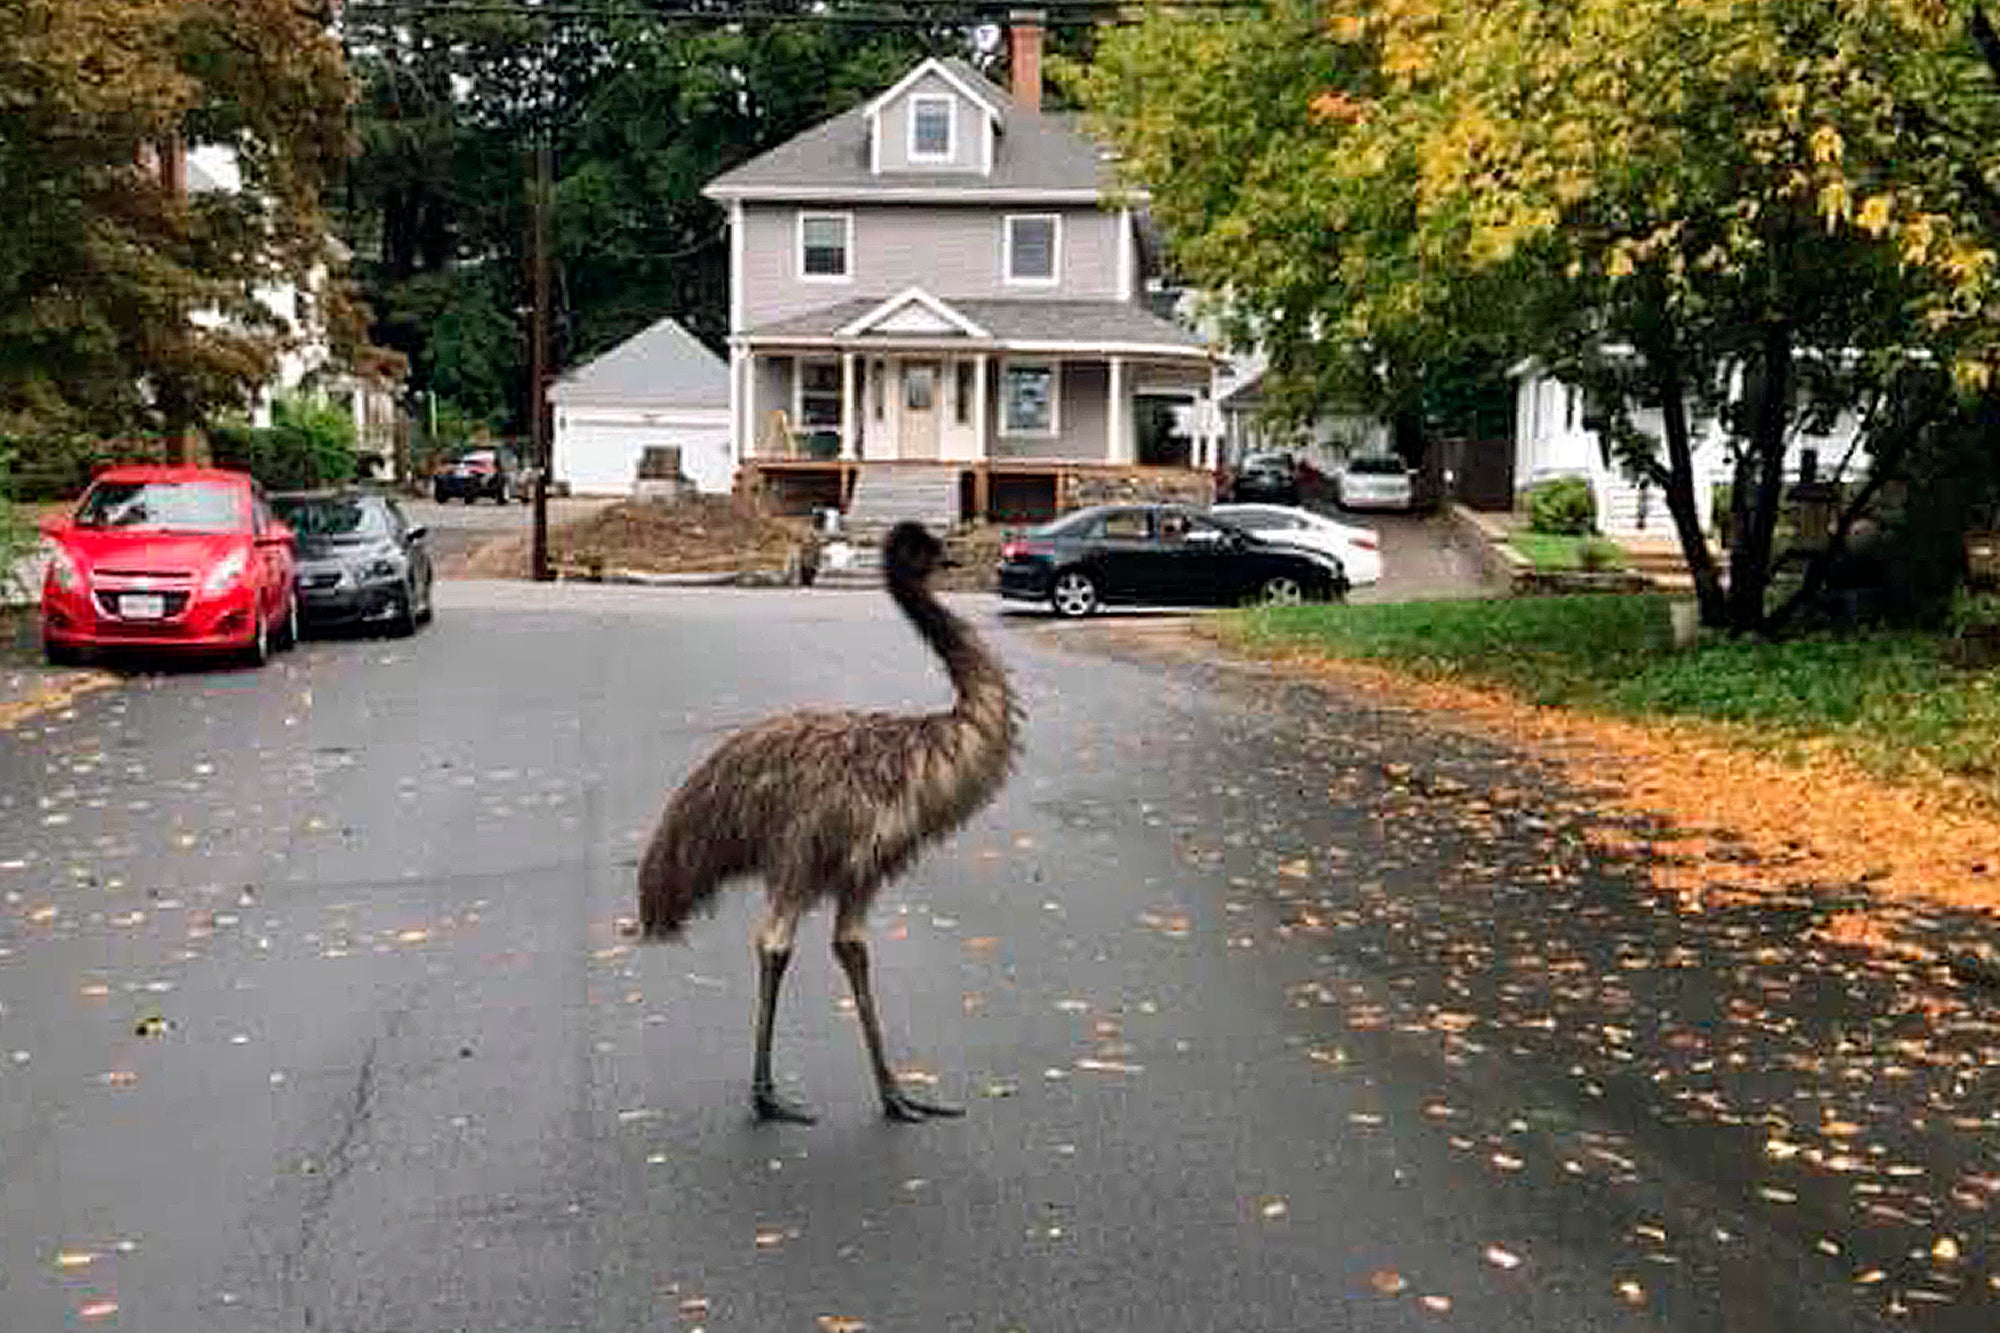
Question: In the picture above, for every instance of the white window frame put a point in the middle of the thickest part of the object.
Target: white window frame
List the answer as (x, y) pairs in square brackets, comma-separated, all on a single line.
[(950, 127), (1008, 427), (846, 221), (1007, 274)]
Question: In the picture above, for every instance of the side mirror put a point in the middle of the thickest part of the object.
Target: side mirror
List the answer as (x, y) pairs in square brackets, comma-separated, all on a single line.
[(277, 535), (417, 533), (53, 525)]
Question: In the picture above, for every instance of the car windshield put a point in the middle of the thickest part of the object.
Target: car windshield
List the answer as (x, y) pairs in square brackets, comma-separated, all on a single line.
[(173, 506), (1267, 460), (334, 516), (1377, 467)]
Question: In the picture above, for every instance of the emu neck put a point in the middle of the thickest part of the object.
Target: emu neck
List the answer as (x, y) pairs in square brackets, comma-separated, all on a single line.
[(984, 697)]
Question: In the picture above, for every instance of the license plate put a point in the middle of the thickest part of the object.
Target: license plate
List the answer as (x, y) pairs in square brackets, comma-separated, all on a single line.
[(142, 606)]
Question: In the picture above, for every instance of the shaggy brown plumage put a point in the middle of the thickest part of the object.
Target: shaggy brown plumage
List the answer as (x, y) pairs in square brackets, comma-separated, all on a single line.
[(823, 805)]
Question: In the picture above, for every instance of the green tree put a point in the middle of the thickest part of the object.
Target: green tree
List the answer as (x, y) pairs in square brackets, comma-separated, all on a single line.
[(641, 115), (107, 263), (1693, 206)]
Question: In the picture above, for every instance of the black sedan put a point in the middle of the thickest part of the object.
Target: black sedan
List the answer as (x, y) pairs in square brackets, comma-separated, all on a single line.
[(1159, 554), (360, 560)]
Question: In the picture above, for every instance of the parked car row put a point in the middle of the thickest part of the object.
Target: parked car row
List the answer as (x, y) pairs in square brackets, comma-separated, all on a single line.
[(483, 474), (190, 559), (1177, 555), (1364, 481)]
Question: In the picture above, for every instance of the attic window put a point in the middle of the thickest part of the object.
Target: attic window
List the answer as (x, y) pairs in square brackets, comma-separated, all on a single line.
[(932, 122)]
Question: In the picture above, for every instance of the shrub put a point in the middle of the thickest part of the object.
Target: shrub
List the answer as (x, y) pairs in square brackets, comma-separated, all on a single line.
[(1595, 553), (1562, 506), (308, 443)]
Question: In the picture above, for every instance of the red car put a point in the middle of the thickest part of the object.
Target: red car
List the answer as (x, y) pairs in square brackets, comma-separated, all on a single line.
[(169, 558)]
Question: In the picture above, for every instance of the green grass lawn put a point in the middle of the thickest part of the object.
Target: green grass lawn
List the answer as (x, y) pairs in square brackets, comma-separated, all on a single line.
[(1890, 700), (1550, 552)]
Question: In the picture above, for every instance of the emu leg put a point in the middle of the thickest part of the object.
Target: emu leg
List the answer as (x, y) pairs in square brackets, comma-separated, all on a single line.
[(774, 951), (852, 951)]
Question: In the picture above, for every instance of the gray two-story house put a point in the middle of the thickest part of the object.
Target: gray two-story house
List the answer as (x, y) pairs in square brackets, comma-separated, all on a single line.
[(949, 278)]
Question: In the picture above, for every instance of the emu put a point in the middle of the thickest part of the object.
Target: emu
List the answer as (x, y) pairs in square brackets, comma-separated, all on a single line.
[(832, 805)]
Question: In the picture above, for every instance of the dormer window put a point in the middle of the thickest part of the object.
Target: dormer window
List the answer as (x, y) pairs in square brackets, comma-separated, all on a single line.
[(933, 128)]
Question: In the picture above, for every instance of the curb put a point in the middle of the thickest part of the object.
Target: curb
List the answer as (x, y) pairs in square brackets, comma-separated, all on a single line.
[(639, 578), (60, 689)]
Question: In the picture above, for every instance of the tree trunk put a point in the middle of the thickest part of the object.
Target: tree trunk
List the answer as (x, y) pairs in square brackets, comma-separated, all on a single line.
[(1677, 481), (1760, 482)]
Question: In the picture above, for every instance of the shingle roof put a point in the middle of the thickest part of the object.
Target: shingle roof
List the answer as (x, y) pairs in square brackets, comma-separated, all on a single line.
[(664, 365), (1013, 321), (1036, 151)]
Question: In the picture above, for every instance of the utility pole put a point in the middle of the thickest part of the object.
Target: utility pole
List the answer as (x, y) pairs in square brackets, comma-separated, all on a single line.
[(539, 357)]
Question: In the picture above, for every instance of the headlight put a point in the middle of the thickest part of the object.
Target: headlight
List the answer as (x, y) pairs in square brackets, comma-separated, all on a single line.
[(383, 567), (68, 575), (227, 571)]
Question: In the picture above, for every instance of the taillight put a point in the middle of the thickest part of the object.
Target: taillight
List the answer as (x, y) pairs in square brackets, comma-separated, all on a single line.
[(1016, 550), (1362, 543)]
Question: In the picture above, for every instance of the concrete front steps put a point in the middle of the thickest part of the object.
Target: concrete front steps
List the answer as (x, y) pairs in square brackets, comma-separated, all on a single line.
[(886, 494)]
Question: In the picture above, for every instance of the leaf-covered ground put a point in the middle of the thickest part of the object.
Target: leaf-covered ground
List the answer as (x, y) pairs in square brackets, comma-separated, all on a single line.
[(1890, 705)]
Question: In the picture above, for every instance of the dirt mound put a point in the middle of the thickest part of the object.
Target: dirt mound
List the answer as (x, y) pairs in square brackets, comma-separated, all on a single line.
[(702, 535)]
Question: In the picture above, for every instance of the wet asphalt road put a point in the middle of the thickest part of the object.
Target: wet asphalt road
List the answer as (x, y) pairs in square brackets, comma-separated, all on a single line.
[(1270, 1013)]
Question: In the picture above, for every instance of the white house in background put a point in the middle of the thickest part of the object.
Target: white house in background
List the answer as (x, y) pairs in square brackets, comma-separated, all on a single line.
[(305, 362), (1551, 440), (658, 387), (1325, 442)]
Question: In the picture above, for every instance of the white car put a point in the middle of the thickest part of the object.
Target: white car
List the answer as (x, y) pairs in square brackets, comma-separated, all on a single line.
[(1376, 481), (1359, 550)]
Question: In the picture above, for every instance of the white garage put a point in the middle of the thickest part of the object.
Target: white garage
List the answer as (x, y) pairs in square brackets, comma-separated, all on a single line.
[(659, 387)]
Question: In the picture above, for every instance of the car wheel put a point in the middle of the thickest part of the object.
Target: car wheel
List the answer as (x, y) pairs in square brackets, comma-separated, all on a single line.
[(288, 636), (61, 654), (429, 607), (1074, 594), (403, 623), (1281, 590)]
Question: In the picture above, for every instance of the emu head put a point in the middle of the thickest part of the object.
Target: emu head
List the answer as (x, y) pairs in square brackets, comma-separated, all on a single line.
[(910, 554)]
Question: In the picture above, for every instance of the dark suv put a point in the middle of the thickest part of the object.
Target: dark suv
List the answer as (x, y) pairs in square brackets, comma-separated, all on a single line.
[(1271, 478), (480, 474)]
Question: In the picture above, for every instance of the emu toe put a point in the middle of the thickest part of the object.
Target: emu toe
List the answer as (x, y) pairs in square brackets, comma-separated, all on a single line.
[(899, 1105), (769, 1107)]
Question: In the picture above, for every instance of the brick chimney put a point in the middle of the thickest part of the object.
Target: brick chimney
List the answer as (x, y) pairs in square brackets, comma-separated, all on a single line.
[(1024, 55)]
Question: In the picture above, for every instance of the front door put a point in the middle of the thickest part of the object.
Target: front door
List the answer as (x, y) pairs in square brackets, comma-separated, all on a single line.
[(919, 433)]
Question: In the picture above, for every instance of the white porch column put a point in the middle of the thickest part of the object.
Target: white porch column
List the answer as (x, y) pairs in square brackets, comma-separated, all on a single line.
[(1114, 414), (739, 439), (847, 406), (1212, 416), (980, 414)]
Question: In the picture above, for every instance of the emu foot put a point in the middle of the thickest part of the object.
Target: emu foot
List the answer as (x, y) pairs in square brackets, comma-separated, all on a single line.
[(901, 1106), (768, 1107)]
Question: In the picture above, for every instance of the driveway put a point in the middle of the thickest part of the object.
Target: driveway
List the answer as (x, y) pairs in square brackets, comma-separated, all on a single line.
[(1273, 1010), (1424, 558), (458, 529)]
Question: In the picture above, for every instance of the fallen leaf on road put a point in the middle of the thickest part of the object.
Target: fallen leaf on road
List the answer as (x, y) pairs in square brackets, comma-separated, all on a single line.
[(1387, 1281), (1500, 1258), (838, 1323), (1274, 1207), (1435, 1304)]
